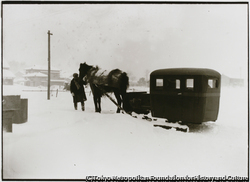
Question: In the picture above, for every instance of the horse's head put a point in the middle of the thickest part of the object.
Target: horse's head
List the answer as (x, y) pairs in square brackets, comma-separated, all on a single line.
[(83, 69)]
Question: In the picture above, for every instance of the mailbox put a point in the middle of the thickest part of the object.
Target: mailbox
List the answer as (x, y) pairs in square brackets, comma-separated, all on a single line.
[(15, 110)]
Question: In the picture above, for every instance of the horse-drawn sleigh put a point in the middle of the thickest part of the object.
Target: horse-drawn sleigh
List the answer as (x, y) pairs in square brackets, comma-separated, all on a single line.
[(189, 95)]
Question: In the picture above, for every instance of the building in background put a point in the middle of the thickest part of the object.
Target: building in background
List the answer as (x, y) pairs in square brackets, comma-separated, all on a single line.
[(38, 76), (19, 79), (8, 76)]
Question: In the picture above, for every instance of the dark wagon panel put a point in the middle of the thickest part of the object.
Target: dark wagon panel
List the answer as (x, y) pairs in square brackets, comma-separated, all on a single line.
[(185, 94), (139, 102)]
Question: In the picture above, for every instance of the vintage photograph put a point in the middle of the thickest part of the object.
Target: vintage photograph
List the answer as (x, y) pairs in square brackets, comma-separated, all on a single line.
[(125, 91)]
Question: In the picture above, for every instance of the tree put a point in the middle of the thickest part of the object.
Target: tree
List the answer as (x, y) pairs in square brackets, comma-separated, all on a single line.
[(142, 82)]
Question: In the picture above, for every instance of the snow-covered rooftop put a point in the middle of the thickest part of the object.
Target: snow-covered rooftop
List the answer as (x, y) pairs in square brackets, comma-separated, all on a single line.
[(42, 67), (56, 81), (8, 74), (20, 79), (35, 75)]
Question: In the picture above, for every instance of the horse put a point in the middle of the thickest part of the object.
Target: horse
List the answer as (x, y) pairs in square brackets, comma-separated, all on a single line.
[(101, 83)]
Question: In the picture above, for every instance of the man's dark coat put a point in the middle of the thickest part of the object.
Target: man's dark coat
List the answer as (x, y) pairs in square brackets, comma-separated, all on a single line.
[(76, 87)]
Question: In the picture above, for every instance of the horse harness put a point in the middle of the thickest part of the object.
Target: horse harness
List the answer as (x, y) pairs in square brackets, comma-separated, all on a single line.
[(95, 76)]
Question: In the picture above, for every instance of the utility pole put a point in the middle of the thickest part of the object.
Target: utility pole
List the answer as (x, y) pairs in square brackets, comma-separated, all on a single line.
[(48, 92)]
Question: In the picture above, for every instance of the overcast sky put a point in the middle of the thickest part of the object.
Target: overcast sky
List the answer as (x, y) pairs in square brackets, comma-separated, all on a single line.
[(133, 37)]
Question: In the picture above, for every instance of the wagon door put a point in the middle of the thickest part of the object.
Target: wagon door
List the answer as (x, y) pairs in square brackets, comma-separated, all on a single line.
[(166, 97), (189, 98), (173, 98)]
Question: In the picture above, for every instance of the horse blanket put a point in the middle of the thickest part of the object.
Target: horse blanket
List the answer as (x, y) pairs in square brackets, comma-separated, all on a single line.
[(103, 77)]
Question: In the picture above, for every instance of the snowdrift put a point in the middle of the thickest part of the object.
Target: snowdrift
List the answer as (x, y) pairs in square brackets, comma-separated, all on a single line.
[(58, 142)]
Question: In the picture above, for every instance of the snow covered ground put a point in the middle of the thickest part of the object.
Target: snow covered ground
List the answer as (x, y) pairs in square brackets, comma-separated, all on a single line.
[(58, 142)]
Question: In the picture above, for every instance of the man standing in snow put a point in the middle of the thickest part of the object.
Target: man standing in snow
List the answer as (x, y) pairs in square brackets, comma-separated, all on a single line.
[(77, 91)]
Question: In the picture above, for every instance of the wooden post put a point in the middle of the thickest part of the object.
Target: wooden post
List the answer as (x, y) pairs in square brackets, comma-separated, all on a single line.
[(48, 92)]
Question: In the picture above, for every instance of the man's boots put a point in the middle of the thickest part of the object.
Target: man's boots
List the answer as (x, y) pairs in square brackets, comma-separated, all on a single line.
[(83, 108)]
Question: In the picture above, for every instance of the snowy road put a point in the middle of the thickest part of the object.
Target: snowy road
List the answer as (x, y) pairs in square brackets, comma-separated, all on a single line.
[(58, 142)]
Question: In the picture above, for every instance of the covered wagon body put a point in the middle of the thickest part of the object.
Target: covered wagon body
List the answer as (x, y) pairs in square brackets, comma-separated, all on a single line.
[(190, 95)]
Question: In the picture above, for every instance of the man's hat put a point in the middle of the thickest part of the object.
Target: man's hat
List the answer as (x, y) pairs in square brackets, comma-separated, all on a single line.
[(75, 75)]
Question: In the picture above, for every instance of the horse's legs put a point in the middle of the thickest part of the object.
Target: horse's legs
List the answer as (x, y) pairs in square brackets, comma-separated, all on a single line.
[(119, 100), (95, 98), (97, 101), (99, 104), (124, 99)]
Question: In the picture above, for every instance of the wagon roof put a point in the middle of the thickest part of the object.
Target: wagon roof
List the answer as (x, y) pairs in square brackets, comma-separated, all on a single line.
[(186, 71)]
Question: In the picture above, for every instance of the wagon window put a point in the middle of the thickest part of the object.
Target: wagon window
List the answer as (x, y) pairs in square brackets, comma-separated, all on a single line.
[(159, 82), (212, 83), (178, 84), (172, 83), (190, 83)]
